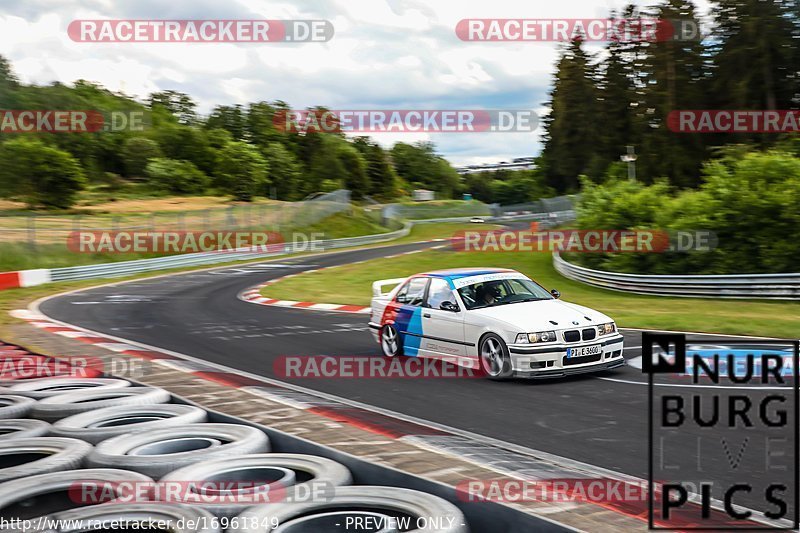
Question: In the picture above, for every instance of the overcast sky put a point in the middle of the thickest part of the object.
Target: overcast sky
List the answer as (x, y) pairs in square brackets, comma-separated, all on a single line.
[(386, 54)]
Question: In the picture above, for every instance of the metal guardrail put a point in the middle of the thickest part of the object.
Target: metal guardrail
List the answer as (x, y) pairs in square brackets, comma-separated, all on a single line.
[(770, 286), (126, 268)]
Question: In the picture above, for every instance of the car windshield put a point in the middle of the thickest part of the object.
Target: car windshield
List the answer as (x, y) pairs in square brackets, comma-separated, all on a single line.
[(502, 292)]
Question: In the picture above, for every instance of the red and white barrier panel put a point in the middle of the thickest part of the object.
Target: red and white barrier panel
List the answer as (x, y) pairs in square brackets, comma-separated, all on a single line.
[(24, 278)]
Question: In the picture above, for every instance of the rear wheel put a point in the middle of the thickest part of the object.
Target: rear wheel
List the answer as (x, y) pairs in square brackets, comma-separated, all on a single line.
[(495, 361), (390, 341)]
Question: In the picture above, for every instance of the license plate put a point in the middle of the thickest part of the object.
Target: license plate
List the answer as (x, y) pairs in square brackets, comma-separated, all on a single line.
[(583, 350)]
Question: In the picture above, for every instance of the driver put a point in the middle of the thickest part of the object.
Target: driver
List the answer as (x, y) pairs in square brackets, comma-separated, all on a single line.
[(488, 293)]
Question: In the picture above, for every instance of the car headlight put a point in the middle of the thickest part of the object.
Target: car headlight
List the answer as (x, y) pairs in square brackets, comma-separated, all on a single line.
[(539, 336), (606, 329)]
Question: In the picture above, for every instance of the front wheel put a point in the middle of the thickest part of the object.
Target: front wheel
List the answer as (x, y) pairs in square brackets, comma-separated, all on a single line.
[(495, 361), (390, 341)]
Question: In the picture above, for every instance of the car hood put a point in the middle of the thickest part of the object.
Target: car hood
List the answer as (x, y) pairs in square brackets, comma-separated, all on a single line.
[(537, 316)]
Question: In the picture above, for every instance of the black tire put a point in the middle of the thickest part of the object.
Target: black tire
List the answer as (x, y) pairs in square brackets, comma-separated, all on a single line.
[(391, 342), (46, 387), (382, 500), (494, 358), (22, 428), (71, 403), (101, 424), (319, 471), (40, 495), (41, 455), (157, 452), (14, 406)]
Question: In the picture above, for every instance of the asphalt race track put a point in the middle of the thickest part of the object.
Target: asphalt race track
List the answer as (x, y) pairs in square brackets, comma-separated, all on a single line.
[(600, 420)]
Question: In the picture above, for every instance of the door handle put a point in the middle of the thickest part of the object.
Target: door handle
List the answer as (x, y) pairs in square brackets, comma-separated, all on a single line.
[(426, 315)]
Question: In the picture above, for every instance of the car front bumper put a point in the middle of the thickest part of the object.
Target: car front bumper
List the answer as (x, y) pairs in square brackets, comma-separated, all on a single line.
[(551, 361)]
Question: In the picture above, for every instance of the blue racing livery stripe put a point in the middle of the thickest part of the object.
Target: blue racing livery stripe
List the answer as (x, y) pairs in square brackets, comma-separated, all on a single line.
[(409, 320)]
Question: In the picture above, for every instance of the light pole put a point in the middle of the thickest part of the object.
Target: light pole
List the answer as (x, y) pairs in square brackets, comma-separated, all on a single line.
[(630, 158)]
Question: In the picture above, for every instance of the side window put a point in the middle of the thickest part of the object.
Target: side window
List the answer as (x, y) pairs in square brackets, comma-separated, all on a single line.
[(412, 292), (438, 292), (402, 295)]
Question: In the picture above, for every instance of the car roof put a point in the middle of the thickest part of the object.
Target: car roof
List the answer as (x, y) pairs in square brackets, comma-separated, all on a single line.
[(455, 273)]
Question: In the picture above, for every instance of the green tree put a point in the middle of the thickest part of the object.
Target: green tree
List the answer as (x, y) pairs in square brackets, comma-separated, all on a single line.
[(241, 171), (617, 101), (231, 118), (420, 165), (178, 177), (178, 104), (380, 173), (284, 171), (136, 152), (675, 72), (570, 132), (186, 143), (38, 174), (755, 53), (355, 178)]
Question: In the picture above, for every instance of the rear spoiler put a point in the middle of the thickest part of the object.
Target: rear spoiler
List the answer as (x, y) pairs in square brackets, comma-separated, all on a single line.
[(376, 286)]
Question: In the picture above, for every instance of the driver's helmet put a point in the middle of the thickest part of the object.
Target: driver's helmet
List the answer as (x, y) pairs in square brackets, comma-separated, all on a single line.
[(490, 288)]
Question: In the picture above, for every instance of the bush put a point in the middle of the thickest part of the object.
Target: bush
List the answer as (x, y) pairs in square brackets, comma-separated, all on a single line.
[(179, 177), (749, 202), (38, 174), (242, 171), (136, 153)]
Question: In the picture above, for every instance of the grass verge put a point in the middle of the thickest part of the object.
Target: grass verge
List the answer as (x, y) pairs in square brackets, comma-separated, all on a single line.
[(20, 256), (351, 284)]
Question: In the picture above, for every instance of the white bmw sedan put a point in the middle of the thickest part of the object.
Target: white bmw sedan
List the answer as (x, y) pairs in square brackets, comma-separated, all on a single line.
[(496, 319)]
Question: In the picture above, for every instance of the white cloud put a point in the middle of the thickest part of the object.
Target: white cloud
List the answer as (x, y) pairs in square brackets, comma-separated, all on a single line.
[(385, 54)]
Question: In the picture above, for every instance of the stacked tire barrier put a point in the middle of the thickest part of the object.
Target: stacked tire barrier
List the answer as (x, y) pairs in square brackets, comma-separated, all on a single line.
[(81, 453)]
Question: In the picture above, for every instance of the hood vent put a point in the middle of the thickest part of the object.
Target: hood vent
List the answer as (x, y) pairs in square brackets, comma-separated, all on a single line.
[(554, 322), (587, 318)]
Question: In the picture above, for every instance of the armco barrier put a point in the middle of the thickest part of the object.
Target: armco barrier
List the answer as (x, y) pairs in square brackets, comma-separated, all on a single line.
[(28, 278), (770, 286)]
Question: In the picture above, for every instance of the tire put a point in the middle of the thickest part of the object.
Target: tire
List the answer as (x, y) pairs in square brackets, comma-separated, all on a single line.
[(389, 500), (180, 518), (315, 472), (43, 494), (391, 342), (40, 455), (494, 358), (157, 452), (71, 403), (46, 387), (22, 428), (101, 424), (14, 406)]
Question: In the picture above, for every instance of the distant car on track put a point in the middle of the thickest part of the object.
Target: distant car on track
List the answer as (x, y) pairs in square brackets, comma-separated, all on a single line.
[(477, 220), (496, 318)]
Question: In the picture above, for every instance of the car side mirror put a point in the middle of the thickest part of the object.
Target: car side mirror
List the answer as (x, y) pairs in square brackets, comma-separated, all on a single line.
[(449, 306), (555, 294)]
